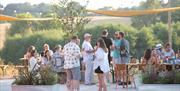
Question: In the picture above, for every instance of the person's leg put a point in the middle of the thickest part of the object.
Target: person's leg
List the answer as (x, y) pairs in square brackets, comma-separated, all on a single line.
[(88, 72), (100, 83), (102, 76), (76, 78), (69, 80)]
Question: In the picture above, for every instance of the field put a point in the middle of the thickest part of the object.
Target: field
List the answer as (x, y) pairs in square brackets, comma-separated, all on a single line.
[(95, 20)]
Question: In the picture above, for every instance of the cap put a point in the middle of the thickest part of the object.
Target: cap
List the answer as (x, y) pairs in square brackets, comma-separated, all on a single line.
[(159, 46), (87, 35)]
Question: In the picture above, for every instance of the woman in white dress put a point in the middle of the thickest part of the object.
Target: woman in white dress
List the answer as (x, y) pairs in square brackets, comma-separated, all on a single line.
[(101, 65)]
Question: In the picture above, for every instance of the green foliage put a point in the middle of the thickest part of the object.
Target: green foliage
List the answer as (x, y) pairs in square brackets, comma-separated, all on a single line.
[(16, 46), (45, 76), (13, 9), (166, 79), (145, 39), (72, 15), (146, 20)]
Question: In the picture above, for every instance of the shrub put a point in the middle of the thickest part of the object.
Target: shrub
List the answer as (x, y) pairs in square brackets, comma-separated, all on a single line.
[(16, 46), (45, 76)]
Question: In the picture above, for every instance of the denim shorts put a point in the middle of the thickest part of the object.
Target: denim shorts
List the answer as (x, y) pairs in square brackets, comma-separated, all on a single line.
[(119, 60), (75, 73)]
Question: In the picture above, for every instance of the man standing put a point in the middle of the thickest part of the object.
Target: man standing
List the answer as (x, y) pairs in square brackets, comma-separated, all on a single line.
[(124, 49), (108, 43), (72, 63), (88, 58)]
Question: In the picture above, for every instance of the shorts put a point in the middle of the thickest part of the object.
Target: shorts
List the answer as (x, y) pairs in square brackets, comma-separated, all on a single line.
[(119, 60), (74, 73), (98, 70)]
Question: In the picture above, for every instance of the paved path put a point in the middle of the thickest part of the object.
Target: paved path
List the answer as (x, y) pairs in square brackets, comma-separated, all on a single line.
[(5, 85)]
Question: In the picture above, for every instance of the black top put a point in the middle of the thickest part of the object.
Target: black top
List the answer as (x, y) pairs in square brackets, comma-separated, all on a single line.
[(108, 42)]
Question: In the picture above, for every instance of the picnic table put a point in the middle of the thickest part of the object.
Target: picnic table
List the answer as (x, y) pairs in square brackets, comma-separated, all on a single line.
[(3, 68)]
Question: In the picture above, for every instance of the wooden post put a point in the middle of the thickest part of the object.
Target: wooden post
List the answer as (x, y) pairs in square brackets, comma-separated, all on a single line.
[(169, 24)]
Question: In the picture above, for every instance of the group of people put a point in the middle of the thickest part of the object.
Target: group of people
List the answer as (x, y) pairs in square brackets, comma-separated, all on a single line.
[(159, 55), (95, 59)]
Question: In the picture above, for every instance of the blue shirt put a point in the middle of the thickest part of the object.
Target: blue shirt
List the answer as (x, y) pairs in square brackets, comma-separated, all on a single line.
[(116, 52)]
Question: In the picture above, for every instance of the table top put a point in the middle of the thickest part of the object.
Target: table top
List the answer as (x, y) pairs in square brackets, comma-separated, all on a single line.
[(3, 65)]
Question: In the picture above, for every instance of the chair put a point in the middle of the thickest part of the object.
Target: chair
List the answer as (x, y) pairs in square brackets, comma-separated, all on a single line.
[(121, 71)]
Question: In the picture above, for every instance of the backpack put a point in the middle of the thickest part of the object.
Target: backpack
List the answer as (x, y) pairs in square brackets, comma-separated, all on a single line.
[(123, 49), (57, 62)]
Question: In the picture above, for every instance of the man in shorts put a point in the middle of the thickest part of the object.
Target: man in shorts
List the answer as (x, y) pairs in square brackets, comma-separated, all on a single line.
[(72, 56)]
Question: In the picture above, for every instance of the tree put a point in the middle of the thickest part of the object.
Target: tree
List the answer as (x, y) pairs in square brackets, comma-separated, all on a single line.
[(106, 8), (146, 20), (145, 40), (175, 15), (72, 16), (35, 10), (21, 27)]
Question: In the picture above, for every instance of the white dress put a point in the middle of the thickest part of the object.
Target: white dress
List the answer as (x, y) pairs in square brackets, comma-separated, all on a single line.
[(101, 59)]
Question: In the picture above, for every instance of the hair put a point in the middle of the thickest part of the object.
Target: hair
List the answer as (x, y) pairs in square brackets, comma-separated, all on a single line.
[(33, 53), (31, 48), (147, 54), (167, 44), (104, 32), (122, 34), (57, 47), (74, 37), (102, 44)]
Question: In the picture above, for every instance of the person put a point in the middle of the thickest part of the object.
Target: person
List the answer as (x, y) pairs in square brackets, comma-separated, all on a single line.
[(108, 43), (28, 53), (159, 48), (72, 56), (101, 64), (33, 63), (146, 60), (124, 49), (116, 53), (168, 53), (58, 63), (57, 59), (149, 60), (178, 57), (46, 48), (47, 59), (88, 58)]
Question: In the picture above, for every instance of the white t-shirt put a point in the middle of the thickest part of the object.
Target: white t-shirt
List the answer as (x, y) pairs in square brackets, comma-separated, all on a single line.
[(33, 64), (168, 54), (86, 46), (101, 59)]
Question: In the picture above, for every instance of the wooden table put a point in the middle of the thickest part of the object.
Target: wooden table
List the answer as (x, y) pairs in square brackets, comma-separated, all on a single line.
[(3, 68), (20, 68)]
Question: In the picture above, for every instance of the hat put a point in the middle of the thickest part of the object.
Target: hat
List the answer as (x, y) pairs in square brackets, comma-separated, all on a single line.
[(87, 35), (158, 46)]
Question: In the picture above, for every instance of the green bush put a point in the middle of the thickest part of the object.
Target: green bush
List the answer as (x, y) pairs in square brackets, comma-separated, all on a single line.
[(45, 76), (16, 46)]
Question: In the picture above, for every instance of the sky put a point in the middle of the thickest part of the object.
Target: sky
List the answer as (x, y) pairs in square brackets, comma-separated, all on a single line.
[(93, 4)]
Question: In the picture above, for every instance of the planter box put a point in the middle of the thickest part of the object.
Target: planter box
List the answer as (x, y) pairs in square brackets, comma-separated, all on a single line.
[(35, 88)]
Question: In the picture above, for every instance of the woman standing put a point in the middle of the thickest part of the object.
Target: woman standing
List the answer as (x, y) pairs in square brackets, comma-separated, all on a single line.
[(101, 65)]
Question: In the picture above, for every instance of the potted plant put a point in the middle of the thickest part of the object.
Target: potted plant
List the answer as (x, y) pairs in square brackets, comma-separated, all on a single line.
[(43, 79)]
